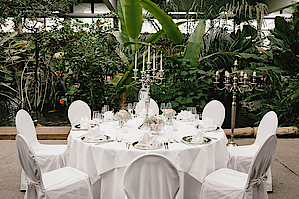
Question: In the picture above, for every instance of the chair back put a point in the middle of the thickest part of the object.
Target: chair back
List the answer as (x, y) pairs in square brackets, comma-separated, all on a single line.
[(77, 110), (267, 127), (259, 166), (29, 164), (151, 176), (25, 126), (214, 110), (153, 106)]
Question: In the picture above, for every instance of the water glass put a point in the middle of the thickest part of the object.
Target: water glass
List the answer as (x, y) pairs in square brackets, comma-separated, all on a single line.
[(193, 110), (103, 109), (107, 107), (129, 108), (119, 135), (162, 107), (170, 134), (96, 116), (168, 105)]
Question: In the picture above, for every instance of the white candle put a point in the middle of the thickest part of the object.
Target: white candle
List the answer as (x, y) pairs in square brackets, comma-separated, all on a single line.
[(217, 72), (148, 52), (254, 74), (136, 60), (143, 62), (161, 61), (226, 73), (236, 62), (245, 75), (154, 60), (241, 73)]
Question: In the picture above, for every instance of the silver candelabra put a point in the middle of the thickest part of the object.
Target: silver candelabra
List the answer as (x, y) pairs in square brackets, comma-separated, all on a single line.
[(238, 83), (149, 74)]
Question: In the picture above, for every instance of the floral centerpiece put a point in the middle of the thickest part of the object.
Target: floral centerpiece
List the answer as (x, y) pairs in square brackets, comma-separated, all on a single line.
[(168, 113), (154, 123), (122, 117)]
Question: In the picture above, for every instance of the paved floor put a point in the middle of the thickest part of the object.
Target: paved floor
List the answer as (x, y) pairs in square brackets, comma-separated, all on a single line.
[(285, 168)]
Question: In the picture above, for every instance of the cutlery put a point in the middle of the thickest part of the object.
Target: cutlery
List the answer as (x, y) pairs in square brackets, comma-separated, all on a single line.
[(105, 141)]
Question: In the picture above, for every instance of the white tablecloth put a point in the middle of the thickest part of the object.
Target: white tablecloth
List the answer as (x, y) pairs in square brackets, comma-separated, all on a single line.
[(105, 162)]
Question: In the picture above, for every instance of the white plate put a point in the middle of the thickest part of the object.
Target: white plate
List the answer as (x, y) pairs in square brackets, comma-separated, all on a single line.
[(150, 147), (188, 140), (100, 139)]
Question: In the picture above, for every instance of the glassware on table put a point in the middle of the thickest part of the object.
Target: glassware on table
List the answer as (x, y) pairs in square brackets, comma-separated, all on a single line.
[(193, 110), (134, 108), (162, 107), (107, 107), (96, 117), (168, 105), (170, 133), (130, 108)]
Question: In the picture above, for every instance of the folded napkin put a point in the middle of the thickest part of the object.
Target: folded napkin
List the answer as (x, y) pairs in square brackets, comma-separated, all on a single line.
[(185, 116), (108, 116), (198, 138), (84, 123), (143, 113), (94, 133), (148, 140), (207, 124)]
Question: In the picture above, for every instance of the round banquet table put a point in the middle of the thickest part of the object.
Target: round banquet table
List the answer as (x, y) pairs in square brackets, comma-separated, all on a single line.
[(105, 162)]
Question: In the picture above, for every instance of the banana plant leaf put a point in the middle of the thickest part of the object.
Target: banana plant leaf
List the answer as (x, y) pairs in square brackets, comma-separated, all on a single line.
[(133, 18), (170, 28), (121, 16), (194, 44)]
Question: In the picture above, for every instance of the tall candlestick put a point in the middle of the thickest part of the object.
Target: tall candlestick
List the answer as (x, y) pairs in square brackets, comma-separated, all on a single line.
[(136, 60), (148, 52), (154, 60), (143, 62), (161, 61)]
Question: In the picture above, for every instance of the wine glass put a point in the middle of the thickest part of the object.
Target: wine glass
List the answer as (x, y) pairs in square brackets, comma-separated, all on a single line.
[(162, 107), (107, 107), (134, 107), (193, 110), (129, 108), (104, 109), (96, 117), (168, 105), (189, 109)]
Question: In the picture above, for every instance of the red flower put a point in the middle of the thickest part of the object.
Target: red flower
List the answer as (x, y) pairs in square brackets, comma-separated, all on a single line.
[(61, 101), (58, 73)]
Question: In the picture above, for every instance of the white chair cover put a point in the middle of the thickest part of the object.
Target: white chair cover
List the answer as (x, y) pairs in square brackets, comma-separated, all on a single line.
[(153, 107), (241, 156), (77, 110), (227, 183), (50, 157), (214, 110), (64, 183), (151, 176)]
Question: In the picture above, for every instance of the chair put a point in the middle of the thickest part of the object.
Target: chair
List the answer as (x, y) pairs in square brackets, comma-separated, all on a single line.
[(241, 156), (214, 110), (151, 176), (50, 157), (227, 183), (153, 107), (63, 183), (76, 110)]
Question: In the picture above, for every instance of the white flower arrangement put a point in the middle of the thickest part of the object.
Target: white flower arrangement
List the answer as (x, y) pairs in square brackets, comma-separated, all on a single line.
[(154, 123), (168, 113), (123, 116)]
